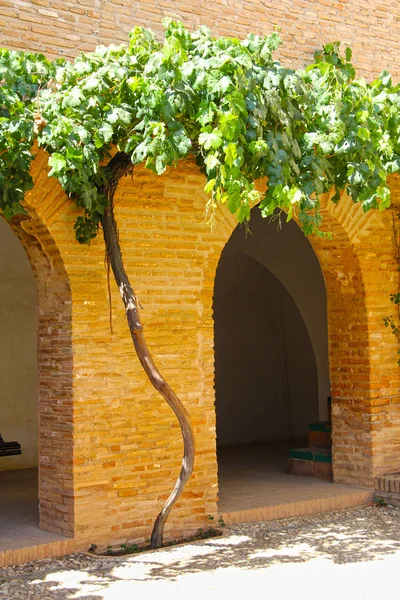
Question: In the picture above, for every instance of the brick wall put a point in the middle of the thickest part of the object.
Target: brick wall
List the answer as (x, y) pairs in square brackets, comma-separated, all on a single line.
[(126, 444), (63, 28), (360, 270), (109, 445), (55, 370)]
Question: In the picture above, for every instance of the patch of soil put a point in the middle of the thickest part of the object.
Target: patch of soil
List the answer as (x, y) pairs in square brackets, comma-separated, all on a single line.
[(126, 549)]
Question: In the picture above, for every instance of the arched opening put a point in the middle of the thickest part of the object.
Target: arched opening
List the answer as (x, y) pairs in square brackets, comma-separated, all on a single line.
[(36, 391), (271, 352), (263, 355), (19, 387), (18, 350)]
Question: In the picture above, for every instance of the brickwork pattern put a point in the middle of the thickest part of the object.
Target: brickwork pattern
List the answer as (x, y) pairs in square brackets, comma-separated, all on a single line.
[(63, 28), (109, 446), (300, 508), (360, 270), (23, 555), (388, 487), (55, 410), (126, 443)]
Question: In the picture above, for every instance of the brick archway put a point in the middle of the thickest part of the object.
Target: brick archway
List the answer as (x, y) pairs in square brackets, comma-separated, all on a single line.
[(55, 410), (359, 267), (172, 256), (361, 270), (348, 340)]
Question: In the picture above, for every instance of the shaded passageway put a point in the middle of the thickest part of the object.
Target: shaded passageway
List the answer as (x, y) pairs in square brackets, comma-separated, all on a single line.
[(19, 521), (271, 362), (254, 485), (18, 351)]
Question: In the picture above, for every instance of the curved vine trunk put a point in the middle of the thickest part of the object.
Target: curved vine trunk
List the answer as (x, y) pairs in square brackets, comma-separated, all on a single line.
[(119, 166)]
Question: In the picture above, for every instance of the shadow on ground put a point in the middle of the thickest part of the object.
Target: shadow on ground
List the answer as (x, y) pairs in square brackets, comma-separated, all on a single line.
[(278, 549)]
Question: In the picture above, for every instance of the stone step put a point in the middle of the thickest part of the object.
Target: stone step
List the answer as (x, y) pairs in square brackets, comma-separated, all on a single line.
[(338, 498), (311, 462), (319, 439), (321, 426), (24, 554), (310, 468)]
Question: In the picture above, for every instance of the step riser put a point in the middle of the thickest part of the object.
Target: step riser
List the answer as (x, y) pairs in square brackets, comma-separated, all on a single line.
[(388, 488), (299, 509), (312, 454), (23, 555), (319, 439), (309, 468)]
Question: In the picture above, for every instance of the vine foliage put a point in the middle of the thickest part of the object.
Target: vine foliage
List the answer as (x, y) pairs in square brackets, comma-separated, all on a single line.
[(390, 321), (227, 102)]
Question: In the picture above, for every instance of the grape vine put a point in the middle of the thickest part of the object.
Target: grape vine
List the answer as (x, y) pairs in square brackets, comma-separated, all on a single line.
[(225, 101)]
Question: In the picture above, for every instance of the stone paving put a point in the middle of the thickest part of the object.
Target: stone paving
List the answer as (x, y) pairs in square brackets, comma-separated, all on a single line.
[(352, 554), (19, 515), (254, 485)]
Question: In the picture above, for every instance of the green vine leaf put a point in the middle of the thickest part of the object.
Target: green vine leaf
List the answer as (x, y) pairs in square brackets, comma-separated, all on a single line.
[(241, 114)]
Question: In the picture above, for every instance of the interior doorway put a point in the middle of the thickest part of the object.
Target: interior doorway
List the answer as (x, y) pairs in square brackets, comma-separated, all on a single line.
[(18, 351), (19, 386), (271, 356), (36, 407)]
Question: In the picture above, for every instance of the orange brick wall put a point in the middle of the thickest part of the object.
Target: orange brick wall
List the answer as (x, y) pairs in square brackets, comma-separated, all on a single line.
[(126, 448), (55, 368), (110, 447), (360, 270)]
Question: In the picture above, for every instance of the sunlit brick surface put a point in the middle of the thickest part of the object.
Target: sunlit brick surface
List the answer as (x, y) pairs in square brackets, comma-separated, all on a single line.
[(109, 446), (126, 443)]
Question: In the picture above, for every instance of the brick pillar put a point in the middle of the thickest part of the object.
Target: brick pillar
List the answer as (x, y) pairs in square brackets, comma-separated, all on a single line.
[(360, 272)]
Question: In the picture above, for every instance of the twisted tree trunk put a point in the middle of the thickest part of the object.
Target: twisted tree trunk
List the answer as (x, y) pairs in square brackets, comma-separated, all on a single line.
[(119, 166)]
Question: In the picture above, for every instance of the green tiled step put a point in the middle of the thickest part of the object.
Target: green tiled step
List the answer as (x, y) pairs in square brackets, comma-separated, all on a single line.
[(312, 454), (323, 427)]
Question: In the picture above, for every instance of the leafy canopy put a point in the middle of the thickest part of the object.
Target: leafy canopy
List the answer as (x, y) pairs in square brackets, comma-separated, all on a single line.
[(226, 101)]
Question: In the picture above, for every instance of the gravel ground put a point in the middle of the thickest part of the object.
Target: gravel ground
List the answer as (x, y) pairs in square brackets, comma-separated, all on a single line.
[(349, 554)]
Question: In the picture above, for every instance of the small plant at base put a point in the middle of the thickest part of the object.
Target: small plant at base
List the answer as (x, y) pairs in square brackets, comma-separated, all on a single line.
[(379, 501), (220, 521), (212, 530), (129, 549)]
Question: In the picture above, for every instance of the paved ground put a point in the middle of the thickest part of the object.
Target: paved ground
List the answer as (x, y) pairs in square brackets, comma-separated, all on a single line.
[(253, 485), (19, 514), (351, 554), (255, 476)]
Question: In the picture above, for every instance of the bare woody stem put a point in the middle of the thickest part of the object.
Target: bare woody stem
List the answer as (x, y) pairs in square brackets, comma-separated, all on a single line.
[(119, 166)]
